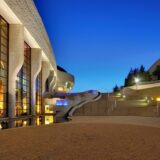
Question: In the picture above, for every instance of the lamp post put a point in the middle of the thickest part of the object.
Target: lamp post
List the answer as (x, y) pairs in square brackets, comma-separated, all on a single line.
[(136, 81)]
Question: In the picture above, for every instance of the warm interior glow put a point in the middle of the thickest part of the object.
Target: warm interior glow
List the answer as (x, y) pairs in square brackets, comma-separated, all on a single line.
[(38, 121), (60, 89), (38, 108), (24, 123), (47, 109), (24, 106), (2, 64), (158, 99), (0, 126), (1, 98), (49, 120)]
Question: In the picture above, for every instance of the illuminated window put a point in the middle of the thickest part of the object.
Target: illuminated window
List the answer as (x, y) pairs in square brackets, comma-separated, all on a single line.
[(49, 120), (4, 36), (23, 85), (48, 109), (22, 123), (39, 93)]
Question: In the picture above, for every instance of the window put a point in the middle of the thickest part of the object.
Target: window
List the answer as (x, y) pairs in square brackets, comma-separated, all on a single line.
[(47, 85), (4, 38), (39, 93), (23, 85)]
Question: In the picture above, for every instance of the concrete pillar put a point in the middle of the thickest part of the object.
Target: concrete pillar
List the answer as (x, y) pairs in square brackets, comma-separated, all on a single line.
[(51, 85), (54, 83), (45, 74), (16, 58), (36, 64)]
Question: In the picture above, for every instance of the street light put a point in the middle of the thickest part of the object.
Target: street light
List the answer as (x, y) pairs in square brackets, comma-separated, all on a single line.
[(137, 80)]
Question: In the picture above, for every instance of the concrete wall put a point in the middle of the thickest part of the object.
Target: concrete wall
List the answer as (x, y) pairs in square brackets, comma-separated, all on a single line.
[(101, 107), (16, 58), (152, 92), (36, 64), (62, 78), (45, 75)]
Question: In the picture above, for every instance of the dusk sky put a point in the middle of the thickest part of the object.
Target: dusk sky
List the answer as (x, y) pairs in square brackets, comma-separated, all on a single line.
[(98, 41)]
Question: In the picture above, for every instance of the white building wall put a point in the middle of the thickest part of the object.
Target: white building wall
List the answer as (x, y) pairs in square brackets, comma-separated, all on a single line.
[(16, 58), (45, 74), (36, 64)]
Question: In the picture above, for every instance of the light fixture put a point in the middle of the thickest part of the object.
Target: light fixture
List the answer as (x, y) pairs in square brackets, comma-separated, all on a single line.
[(158, 99), (136, 80)]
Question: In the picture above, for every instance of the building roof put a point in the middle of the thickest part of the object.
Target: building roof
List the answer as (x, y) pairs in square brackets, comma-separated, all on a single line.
[(153, 67), (28, 14)]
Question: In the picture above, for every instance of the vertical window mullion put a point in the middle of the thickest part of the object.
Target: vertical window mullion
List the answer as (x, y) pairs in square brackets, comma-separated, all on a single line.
[(25, 81), (4, 68)]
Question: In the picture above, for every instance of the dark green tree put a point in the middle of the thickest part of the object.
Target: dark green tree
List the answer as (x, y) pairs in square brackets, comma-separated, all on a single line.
[(141, 73), (116, 89)]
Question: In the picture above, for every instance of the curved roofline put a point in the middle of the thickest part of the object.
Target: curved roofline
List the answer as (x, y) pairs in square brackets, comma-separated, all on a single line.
[(33, 24), (61, 69), (154, 64)]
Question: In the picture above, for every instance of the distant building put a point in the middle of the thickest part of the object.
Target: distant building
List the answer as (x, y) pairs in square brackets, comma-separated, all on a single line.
[(154, 71)]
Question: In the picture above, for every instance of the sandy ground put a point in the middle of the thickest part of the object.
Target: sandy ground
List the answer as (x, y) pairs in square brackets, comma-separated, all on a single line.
[(86, 138)]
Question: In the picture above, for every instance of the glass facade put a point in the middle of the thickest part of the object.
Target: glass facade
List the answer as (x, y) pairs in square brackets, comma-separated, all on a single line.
[(4, 43), (39, 93), (23, 85)]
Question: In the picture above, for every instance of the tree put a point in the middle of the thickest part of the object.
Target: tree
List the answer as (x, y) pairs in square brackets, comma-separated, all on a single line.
[(140, 73), (116, 89), (142, 69)]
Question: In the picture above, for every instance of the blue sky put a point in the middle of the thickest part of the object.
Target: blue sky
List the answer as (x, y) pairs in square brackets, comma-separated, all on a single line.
[(98, 41)]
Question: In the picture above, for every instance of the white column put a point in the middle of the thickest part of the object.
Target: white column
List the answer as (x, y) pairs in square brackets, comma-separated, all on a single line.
[(16, 58), (45, 74), (51, 85), (54, 83), (36, 64)]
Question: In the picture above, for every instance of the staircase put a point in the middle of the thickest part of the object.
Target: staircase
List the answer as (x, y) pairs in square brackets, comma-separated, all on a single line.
[(112, 106), (134, 107)]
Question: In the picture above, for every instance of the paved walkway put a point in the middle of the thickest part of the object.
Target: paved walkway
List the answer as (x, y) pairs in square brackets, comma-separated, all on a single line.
[(85, 138), (134, 120)]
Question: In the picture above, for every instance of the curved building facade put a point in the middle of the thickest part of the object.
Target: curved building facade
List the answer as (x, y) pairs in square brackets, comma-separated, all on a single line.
[(65, 81), (28, 67)]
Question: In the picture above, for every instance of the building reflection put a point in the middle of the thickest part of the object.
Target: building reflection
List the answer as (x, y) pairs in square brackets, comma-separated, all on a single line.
[(34, 121)]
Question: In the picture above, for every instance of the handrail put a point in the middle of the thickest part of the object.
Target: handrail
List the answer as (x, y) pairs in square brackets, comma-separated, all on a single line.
[(72, 110)]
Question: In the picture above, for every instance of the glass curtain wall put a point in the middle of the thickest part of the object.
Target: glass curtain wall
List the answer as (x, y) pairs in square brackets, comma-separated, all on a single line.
[(4, 43), (23, 85), (39, 93)]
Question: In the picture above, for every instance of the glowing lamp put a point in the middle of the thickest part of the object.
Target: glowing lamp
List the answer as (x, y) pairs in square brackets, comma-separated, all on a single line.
[(136, 80), (60, 88), (158, 99), (24, 123)]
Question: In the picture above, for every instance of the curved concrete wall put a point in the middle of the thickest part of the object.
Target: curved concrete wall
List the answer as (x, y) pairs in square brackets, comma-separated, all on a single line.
[(62, 78), (153, 92)]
